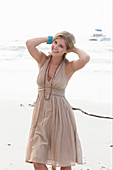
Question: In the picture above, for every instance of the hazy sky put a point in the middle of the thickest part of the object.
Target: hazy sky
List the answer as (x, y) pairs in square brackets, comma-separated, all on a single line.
[(29, 18)]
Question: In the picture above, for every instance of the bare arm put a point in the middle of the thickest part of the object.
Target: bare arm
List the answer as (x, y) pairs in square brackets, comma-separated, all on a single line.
[(82, 61), (77, 64), (31, 45)]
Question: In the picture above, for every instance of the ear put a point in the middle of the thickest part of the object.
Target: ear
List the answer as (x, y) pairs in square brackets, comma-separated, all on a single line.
[(69, 50)]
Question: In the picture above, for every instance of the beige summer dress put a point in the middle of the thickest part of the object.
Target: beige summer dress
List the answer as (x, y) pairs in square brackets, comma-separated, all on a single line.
[(53, 138)]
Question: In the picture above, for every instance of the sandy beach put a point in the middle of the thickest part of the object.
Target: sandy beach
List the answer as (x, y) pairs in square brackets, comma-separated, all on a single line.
[(90, 91)]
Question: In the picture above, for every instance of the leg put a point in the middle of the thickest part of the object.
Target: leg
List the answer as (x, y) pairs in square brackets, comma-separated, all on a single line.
[(66, 168), (40, 166)]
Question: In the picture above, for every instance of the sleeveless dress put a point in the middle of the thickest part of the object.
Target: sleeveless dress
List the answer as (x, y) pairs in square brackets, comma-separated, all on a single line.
[(53, 137)]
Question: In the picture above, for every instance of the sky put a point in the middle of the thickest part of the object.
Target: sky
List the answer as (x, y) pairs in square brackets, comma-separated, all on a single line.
[(33, 18)]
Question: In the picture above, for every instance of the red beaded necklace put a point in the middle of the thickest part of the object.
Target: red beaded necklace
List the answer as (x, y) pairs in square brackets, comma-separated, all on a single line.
[(48, 67)]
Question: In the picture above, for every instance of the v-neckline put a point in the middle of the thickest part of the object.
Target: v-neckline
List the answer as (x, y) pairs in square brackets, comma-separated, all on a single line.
[(56, 71)]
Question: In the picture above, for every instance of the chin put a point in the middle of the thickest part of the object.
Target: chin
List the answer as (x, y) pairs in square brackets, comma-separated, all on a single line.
[(54, 54)]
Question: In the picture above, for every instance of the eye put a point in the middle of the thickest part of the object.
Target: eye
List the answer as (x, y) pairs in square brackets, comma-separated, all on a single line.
[(61, 45), (55, 42)]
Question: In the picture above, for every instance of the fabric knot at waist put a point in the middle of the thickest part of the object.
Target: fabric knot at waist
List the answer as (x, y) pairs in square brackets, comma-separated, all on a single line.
[(55, 92)]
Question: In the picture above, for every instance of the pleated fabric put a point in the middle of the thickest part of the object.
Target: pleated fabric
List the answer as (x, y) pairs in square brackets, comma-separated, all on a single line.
[(53, 137)]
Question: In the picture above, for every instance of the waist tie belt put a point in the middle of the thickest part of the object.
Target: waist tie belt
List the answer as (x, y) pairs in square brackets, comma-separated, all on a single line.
[(55, 92)]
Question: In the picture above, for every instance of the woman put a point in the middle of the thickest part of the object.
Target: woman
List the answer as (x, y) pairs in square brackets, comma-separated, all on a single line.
[(53, 135)]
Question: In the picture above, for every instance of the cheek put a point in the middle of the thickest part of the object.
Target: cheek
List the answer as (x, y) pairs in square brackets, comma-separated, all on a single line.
[(51, 47), (62, 51)]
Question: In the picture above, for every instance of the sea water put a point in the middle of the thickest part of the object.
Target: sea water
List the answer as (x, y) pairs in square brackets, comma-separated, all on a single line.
[(100, 53), (91, 86), (93, 82)]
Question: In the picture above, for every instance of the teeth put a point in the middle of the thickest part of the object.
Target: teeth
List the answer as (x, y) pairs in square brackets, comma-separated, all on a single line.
[(55, 51)]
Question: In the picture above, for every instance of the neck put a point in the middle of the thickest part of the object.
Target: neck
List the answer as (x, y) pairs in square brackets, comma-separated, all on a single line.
[(56, 60)]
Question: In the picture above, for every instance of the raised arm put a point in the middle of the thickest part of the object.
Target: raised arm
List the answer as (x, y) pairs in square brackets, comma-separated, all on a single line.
[(77, 64), (82, 61), (34, 52)]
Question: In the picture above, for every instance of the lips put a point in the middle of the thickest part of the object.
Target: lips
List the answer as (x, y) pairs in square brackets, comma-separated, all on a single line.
[(55, 51)]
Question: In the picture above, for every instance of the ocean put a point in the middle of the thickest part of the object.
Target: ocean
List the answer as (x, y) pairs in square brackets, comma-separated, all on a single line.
[(92, 84), (100, 53)]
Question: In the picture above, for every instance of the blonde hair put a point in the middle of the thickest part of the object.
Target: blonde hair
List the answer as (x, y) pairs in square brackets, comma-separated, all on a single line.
[(69, 38)]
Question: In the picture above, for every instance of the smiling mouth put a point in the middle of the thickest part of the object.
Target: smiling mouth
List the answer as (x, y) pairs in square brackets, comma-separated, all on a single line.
[(55, 51)]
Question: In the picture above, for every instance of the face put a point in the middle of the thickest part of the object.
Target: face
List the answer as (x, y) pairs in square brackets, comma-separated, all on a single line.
[(58, 47)]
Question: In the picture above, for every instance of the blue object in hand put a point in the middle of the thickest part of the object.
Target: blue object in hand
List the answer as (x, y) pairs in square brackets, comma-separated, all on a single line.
[(50, 40)]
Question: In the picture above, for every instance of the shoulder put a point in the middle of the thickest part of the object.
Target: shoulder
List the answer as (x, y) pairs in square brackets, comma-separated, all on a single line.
[(68, 68), (68, 65), (43, 60)]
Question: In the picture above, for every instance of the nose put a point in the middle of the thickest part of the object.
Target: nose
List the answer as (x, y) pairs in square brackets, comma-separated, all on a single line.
[(55, 46)]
